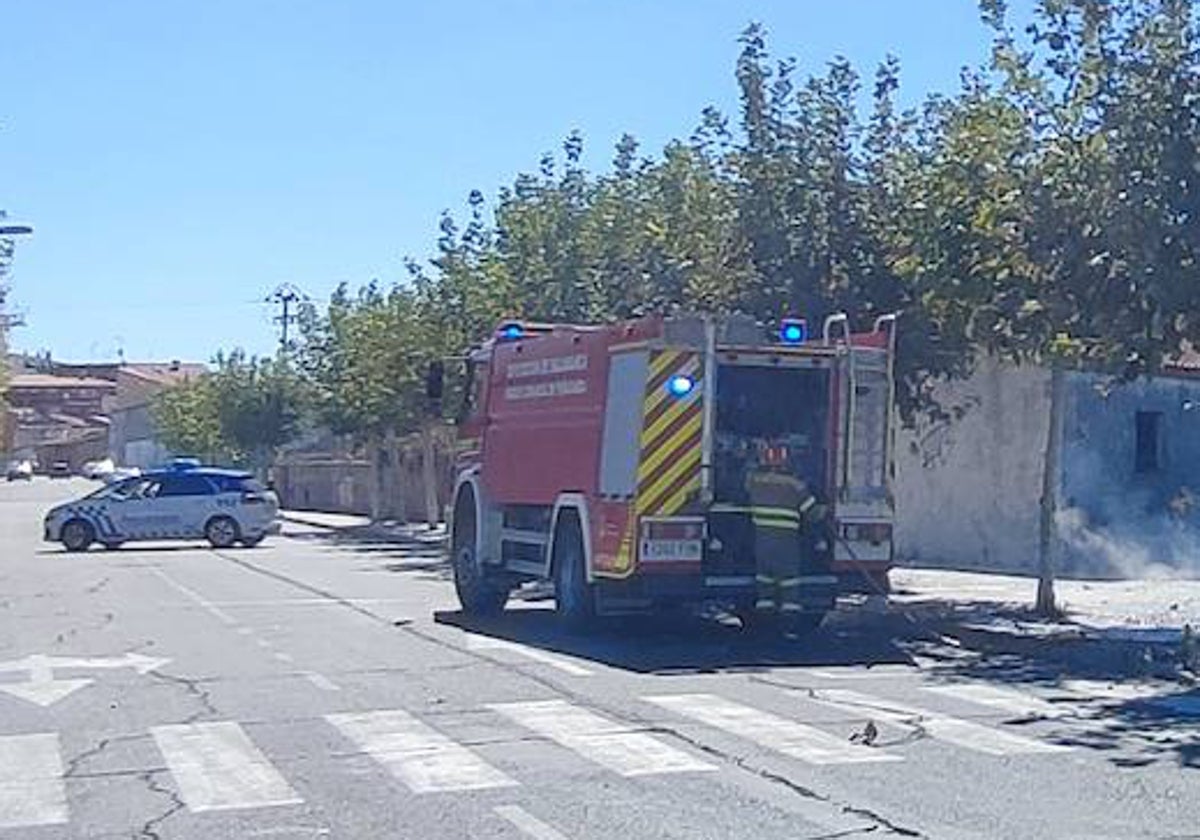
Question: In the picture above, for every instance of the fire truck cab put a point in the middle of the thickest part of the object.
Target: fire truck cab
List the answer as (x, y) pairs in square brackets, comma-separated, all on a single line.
[(614, 461)]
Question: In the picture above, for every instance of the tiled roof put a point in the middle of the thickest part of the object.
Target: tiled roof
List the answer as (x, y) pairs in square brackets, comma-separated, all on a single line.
[(46, 380)]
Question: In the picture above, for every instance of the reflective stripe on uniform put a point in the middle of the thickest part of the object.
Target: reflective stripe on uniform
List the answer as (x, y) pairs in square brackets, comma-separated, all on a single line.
[(764, 604), (774, 512), (790, 583), (790, 607), (781, 524), (764, 579)]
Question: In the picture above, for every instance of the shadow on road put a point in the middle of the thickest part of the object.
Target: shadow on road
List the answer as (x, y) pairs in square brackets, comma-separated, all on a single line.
[(680, 644), (1123, 696), (391, 551), (1119, 696)]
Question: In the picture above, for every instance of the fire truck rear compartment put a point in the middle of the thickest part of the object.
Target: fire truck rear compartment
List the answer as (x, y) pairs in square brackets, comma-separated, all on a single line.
[(761, 408)]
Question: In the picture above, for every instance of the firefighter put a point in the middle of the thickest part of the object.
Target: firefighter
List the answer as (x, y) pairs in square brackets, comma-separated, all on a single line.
[(781, 504)]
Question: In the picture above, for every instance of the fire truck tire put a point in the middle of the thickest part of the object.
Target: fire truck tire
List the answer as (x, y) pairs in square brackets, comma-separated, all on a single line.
[(478, 591), (574, 598)]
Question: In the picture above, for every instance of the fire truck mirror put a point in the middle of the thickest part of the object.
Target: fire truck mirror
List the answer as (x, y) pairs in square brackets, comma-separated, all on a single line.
[(435, 381)]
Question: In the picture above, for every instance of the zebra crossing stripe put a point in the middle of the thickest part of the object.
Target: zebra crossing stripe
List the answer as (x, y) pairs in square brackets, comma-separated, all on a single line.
[(618, 747), (486, 643), (1005, 699), (217, 767), (963, 733), (793, 739), (416, 754), (528, 824), (31, 785)]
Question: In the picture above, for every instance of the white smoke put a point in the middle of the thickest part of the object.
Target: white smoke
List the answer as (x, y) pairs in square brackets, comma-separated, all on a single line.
[(1123, 528), (1151, 548)]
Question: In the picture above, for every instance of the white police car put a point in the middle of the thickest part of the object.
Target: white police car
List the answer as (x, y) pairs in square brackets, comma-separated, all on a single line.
[(223, 506)]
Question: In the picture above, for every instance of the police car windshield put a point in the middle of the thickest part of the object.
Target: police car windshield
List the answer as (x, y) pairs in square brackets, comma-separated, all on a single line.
[(118, 490)]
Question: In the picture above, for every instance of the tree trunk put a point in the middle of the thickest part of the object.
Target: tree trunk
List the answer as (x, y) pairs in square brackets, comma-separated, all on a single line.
[(1046, 605), (394, 507), (375, 452), (429, 475)]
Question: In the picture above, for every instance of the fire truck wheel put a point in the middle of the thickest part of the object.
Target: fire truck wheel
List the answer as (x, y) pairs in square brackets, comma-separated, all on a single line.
[(477, 592), (574, 599)]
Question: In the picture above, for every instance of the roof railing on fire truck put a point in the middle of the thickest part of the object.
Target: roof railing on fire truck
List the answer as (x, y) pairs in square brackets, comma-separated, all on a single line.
[(888, 323), (841, 319)]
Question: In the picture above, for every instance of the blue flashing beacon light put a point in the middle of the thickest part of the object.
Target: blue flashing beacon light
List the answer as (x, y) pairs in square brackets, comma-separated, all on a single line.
[(511, 331), (793, 331), (680, 386)]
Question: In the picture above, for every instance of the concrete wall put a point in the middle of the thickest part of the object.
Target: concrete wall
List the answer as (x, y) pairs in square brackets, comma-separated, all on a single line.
[(339, 486), (343, 485), (967, 491), (1117, 521)]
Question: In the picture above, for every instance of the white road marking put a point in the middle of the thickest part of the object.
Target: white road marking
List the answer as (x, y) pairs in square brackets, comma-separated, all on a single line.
[(195, 596), (1109, 690), (321, 681), (418, 755), (44, 693), (964, 733), (477, 642), (31, 785), (998, 697), (528, 823), (777, 733), (217, 767), (41, 687), (306, 602), (859, 672), (284, 657), (617, 746)]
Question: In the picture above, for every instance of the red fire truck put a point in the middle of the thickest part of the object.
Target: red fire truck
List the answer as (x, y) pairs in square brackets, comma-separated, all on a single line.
[(612, 460)]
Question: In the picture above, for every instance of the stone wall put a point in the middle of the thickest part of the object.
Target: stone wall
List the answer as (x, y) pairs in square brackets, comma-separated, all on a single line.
[(967, 491), (344, 484)]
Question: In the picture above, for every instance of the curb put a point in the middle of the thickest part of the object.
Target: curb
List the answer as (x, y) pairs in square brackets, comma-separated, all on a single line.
[(374, 530), (312, 523)]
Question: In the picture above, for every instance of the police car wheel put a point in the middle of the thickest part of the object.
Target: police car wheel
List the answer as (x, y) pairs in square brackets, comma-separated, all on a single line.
[(77, 535), (112, 546), (221, 532), (251, 542)]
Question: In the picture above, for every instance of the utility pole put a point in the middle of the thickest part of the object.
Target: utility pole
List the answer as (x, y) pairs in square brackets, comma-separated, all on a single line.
[(285, 297), (8, 231)]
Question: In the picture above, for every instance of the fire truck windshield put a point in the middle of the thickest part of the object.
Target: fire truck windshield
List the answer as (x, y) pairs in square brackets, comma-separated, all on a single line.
[(770, 416)]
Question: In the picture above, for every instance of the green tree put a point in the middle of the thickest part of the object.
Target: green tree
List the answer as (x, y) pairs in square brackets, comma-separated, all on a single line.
[(1054, 208), (242, 411), (366, 359), (259, 405), (185, 420)]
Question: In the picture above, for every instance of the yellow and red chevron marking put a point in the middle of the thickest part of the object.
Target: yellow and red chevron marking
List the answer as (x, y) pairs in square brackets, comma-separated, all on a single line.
[(669, 467)]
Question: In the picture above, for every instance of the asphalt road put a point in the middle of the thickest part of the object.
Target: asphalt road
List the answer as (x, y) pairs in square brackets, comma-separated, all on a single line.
[(323, 686)]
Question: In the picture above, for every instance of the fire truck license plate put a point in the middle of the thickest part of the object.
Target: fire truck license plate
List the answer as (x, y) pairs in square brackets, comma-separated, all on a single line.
[(672, 550)]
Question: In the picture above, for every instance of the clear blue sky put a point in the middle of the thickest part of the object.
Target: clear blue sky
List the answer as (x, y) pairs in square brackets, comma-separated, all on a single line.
[(179, 160)]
